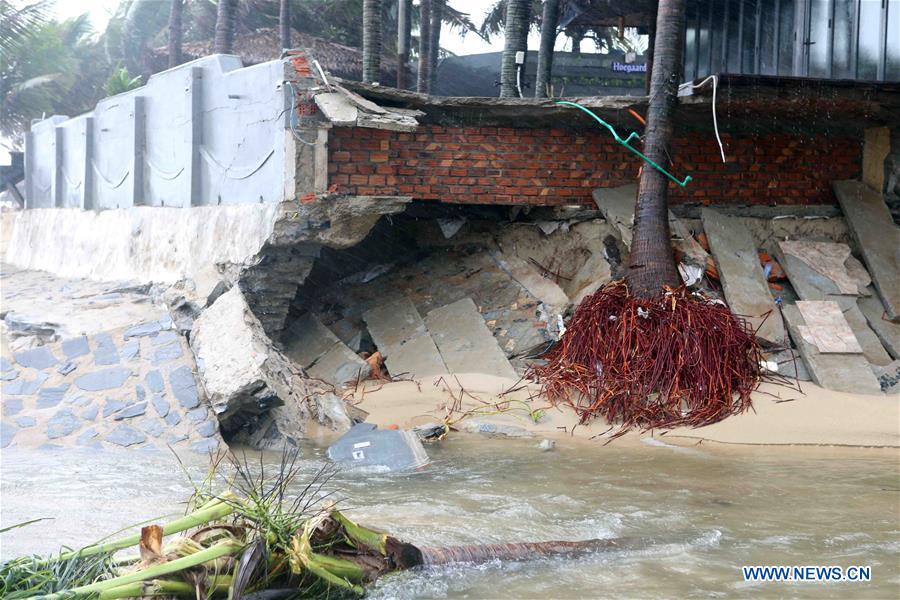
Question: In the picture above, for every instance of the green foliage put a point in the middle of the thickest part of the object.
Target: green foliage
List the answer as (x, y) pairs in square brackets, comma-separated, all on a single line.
[(121, 81), (49, 68)]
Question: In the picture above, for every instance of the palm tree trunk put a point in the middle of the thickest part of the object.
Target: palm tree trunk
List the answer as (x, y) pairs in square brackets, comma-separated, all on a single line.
[(481, 553), (224, 39), (175, 33), (284, 23), (371, 41), (549, 19), (434, 40), (651, 264), (424, 46), (515, 28), (404, 32)]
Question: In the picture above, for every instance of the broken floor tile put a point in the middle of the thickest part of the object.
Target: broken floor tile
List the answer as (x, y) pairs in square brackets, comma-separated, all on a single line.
[(125, 435), (49, 397), (87, 436), (26, 421), (184, 387), (151, 427), (66, 368), (5, 365), (206, 428), (173, 418), (130, 411), (160, 405), (155, 381), (62, 424), (11, 406), (168, 352), (7, 433), (131, 350), (105, 351), (36, 358), (103, 379), (143, 329), (205, 446), (75, 347), (90, 413), (112, 406), (9, 375), (24, 387), (165, 337)]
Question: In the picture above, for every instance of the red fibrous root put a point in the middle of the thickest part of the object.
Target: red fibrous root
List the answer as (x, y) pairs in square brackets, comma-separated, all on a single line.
[(681, 359)]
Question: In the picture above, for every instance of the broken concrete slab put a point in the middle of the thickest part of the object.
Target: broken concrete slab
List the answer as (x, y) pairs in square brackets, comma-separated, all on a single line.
[(814, 284), (545, 290), (871, 346), (826, 328), (337, 109), (37, 358), (887, 331), (243, 374), (827, 259), (841, 372), (319, 351), (402, 338), (617, 206), (877, 238), (593, 274), (465, 342), (742, 276)]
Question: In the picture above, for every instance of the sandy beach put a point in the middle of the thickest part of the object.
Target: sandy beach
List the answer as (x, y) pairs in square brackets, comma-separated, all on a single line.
[(781, 416)]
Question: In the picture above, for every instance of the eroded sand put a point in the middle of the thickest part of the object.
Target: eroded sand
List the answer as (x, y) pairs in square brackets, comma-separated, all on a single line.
[(781, 415)]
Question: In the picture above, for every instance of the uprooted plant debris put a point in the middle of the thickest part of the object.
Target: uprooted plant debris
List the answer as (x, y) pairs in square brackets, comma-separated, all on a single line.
[(680, 359), (265, 537)]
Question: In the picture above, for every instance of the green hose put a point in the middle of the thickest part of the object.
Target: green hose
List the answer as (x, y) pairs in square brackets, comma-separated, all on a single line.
[(625, 142)]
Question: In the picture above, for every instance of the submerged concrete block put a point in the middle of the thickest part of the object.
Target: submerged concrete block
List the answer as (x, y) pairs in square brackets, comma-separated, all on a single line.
[(742, 276), (877, 237)]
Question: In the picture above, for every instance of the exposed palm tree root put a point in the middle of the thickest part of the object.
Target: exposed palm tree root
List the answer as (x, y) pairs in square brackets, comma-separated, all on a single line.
[(680, 359)]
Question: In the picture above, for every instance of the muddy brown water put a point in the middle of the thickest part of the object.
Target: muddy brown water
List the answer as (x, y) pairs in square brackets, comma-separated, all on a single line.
[(754, 507)]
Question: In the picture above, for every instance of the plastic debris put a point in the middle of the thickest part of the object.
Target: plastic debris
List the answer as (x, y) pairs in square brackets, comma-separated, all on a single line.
[(367, 446)]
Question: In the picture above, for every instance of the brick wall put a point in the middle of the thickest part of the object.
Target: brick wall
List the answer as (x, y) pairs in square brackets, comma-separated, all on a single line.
[(491, 165)]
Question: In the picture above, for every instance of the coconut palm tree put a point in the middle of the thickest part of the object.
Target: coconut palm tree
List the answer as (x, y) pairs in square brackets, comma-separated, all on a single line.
[(434, 39), (175, 33), (517, 22), (651, 263), (371, 40), (404, 33), (424, 46), (224, 39), (284, 23), (549, 20)]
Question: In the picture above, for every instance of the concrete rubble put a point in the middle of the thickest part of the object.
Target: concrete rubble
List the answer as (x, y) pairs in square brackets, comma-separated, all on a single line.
[(844, 372), (742, 276), (254, 389), (877, 238), (322, 355)]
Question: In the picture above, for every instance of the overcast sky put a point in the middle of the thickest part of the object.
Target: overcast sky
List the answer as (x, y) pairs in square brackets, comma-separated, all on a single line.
[(100, 11)]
